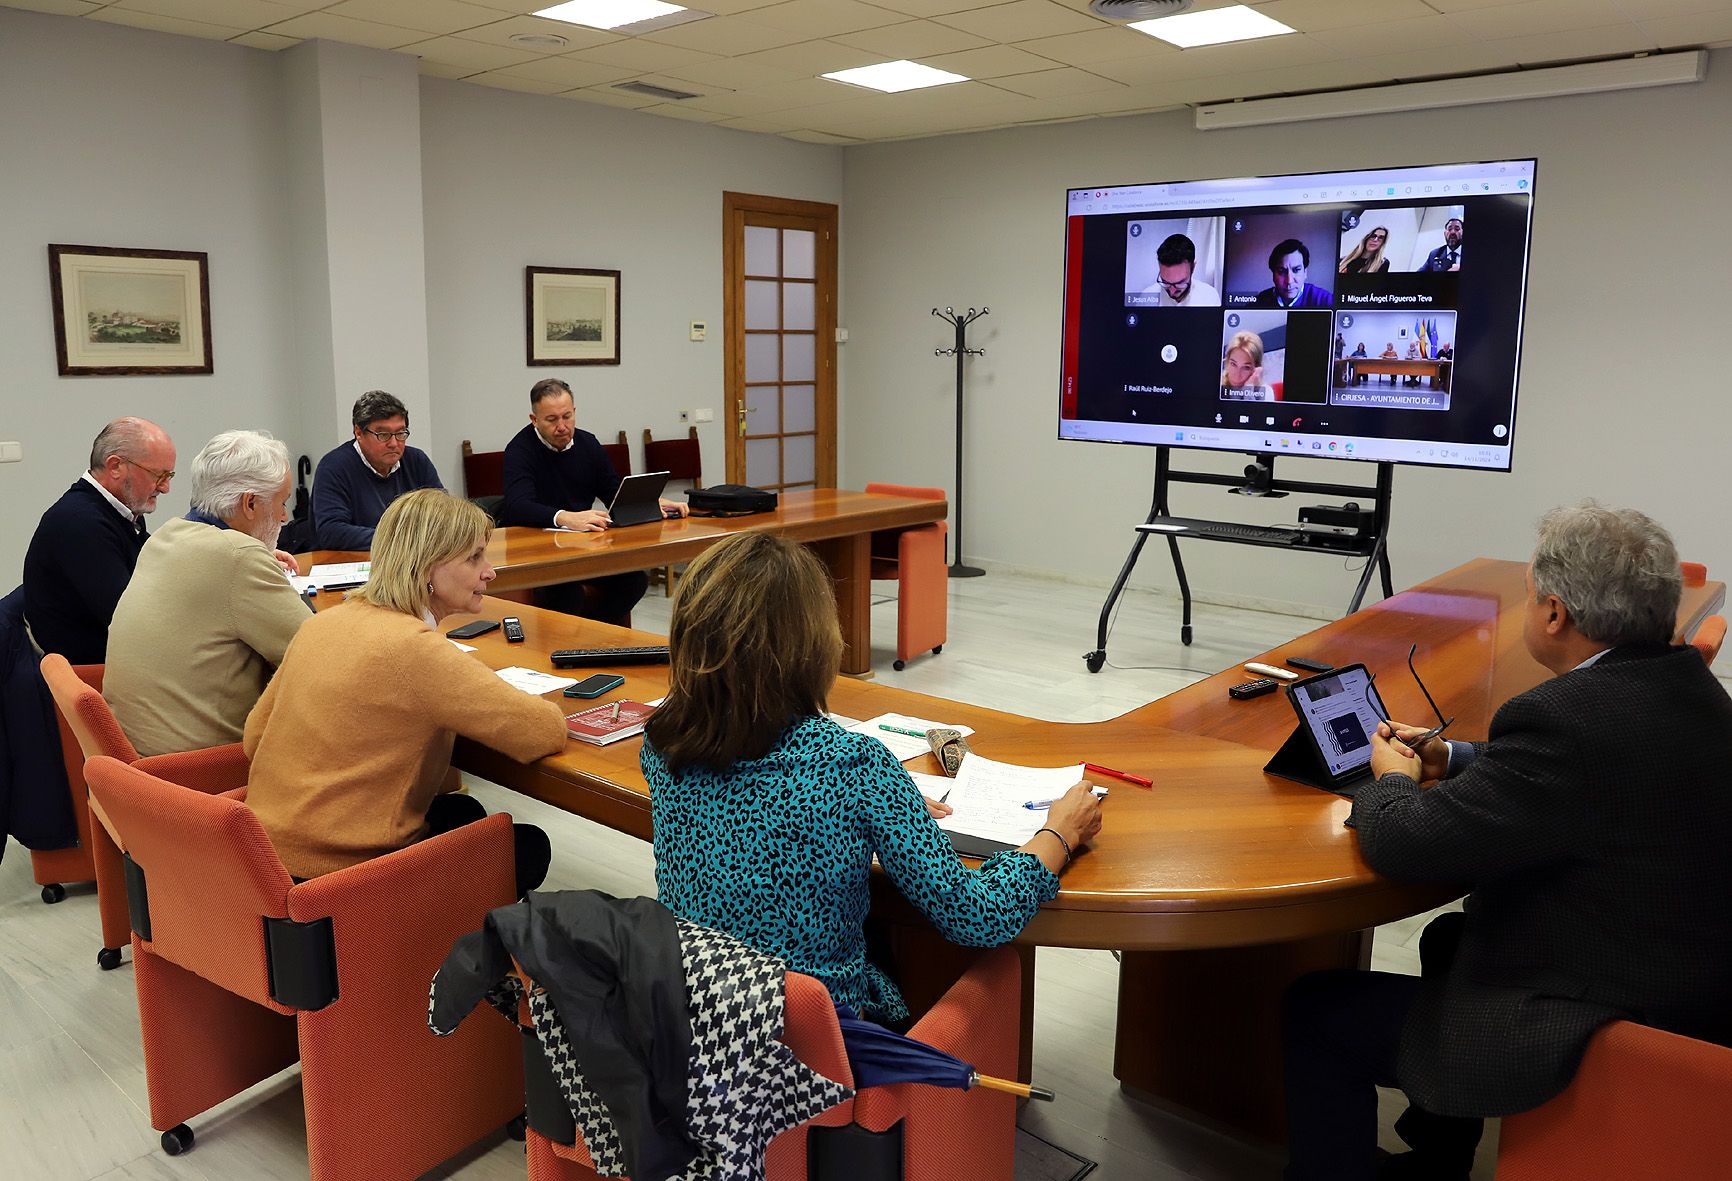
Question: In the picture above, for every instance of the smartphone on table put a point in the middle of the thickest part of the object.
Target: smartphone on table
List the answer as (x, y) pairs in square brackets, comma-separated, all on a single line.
[(475, 627), (595, 686)]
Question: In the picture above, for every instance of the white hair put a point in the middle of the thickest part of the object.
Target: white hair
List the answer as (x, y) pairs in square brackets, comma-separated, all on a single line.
[(1615, 569), (234, 464)]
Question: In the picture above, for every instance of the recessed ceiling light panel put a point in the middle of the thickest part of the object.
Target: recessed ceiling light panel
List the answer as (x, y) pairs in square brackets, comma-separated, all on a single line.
[(893, 77), (608, 14), (1214, 27)]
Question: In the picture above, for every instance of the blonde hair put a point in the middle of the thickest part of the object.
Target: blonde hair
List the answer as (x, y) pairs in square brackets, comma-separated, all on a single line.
[(1253, 346), (754, 644), (1372, 258), (420, 530)]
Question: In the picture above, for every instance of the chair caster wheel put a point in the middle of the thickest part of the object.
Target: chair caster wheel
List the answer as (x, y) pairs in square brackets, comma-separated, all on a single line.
[(108, 959), (53, 892), (177, 1140), (518, 1127), (1094, 660), (938, 649), (899, 665)]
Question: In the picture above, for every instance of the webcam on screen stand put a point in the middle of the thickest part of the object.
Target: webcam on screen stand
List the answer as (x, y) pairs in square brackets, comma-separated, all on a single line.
[(1259, 478)]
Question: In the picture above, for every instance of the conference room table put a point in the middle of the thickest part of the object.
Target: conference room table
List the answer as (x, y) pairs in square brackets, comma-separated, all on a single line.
[(1434, 369), (837, 524), (1220, 884)]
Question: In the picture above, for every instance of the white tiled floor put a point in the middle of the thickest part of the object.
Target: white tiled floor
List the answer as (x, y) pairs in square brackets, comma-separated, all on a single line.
[(71, 1074)]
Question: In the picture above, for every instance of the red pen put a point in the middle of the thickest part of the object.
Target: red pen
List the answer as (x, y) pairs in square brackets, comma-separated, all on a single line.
[(1097, 769)]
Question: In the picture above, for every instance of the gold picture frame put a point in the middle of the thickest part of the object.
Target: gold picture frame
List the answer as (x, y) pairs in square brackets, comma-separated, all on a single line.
[(572, 315), (121, 312)]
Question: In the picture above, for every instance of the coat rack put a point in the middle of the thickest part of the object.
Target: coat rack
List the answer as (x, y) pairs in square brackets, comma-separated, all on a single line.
[(960, 321)]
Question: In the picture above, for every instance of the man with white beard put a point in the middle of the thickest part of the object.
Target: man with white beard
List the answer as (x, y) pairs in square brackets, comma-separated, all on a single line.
[(209, 611)]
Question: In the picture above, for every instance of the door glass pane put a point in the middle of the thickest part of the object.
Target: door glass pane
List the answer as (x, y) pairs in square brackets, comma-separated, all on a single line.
[(761, 357), (797, 306), (762, 468), (760, 250), (799, 459), (797, 356), (799, 250), (763, 412), (799, 402), (761, 309)]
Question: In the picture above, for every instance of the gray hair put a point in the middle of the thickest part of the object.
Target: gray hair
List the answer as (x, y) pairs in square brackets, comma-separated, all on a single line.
[(125, 437), (234, 464), (373, 405), (1615, 569)]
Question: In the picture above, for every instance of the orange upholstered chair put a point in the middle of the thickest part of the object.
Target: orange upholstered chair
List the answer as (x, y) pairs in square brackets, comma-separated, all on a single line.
[(87, 729), (1645, 1104), (240, 970), (1695, 573), (1710, 636), (932, 1133), (915, 559)]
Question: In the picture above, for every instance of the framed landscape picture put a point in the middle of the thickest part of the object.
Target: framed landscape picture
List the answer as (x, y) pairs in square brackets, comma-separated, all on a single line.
[(119, 312), (572, 314)]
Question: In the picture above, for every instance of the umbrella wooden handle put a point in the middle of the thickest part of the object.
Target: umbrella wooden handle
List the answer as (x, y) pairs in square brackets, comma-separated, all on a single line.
[(1010, 1086)]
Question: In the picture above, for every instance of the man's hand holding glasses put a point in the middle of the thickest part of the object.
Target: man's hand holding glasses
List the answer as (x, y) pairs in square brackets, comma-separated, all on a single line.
[(1420, 754)]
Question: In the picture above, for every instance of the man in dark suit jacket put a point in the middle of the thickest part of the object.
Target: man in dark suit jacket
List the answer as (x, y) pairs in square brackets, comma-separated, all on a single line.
[(1448, 256), (82, 554), (1593, 829)]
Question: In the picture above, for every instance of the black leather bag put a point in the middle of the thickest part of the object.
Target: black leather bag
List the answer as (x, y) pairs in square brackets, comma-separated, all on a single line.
[(729, 500)]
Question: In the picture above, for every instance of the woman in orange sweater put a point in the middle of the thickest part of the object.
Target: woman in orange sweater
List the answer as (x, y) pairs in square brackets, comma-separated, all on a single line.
[(351, 742)]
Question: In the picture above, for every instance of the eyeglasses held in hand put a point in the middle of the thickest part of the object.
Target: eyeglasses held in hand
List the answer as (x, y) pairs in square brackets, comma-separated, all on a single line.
[(1376, 704)]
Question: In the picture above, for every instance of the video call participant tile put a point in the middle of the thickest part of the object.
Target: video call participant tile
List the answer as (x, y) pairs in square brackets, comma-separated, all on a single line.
[(1281, 260), (1275, 356), (1174, 262), (1419, 348)]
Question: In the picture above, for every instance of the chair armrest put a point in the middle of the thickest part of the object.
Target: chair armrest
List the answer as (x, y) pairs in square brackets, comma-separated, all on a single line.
[(214, 771), (467, 870)]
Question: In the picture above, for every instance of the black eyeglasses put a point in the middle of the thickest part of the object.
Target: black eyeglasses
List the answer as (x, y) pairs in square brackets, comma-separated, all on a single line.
[(401, 436), (1376, 704)]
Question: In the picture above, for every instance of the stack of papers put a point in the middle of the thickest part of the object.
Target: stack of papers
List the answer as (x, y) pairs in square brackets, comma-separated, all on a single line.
[(339, 575), (905, 746), (531, 681), (989, 799)]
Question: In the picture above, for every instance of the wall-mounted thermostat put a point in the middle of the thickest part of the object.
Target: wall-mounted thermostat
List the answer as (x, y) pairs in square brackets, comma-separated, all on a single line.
[(700, 330)]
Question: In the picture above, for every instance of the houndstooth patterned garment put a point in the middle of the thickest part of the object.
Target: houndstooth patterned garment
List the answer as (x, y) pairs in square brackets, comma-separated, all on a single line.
[(745, 1086)]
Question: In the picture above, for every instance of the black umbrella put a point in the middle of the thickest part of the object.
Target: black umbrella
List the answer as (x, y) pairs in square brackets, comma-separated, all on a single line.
[(881, 1056)]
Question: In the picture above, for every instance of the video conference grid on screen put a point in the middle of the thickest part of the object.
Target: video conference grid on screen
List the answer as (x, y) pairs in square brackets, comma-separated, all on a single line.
[(1362, 315)]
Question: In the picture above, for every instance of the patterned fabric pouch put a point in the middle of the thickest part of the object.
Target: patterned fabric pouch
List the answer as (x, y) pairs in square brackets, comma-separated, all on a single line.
[(949, 746)]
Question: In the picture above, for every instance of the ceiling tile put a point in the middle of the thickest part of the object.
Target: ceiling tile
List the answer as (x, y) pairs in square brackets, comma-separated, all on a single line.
[(1682, 32), (1333, 75), (270, 41), (811, 58), (471, 56), (774, 123), (500, 33), (1308, 16), (1241, 62), (728, 36), (510, 82), (912, 39), (1096, 45), (929, 7), (240, 14), (607, 96), (1570, 45), (57, 7), (682, 111), (782, 96), (1053, 83), (1021, 21), (1416, 65), (435, 70), (346, 29), (515, 6), (166, 24), (820, 137), (432, 16), (824, 18), (736, 73), (995, 61), (634, 53), (1440, 33), (1641, 10), (569, 72), (1538, 17)]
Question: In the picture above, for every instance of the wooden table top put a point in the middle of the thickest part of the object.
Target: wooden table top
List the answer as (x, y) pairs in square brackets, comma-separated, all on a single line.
[(526, 557), (1217, 853)]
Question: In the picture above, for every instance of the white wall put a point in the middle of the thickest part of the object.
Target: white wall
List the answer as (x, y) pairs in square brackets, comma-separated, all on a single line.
[(112, 136), (514, 180), (1614, 401)]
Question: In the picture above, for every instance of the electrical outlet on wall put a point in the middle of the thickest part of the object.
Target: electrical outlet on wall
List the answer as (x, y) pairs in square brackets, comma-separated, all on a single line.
[(703, 416), (11, 452)]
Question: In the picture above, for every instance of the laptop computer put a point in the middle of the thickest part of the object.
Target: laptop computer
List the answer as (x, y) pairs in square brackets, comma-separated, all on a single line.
[(638, 500)]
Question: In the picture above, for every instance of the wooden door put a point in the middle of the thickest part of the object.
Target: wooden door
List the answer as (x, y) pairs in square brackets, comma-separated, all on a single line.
[(779, 310)]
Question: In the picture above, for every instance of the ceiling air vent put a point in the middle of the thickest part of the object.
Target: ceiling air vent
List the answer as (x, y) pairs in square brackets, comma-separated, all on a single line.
[(1138, 10), (648, 90)]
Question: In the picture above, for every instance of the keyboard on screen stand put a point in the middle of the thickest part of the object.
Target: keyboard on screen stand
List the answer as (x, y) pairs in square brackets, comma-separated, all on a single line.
[(1221, 530), (607, 657)]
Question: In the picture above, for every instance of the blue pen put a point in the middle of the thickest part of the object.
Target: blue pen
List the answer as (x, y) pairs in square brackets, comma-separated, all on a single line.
[(1036, 805)]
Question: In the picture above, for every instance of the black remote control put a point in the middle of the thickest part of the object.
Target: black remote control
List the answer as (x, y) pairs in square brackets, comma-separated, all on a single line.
[(1309, 665), (513, 630), (1253, 688)]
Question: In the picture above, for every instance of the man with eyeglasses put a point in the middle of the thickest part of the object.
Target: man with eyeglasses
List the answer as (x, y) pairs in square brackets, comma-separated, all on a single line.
[(86, 545), (1591, 828), (356, 481), (1177, 285)]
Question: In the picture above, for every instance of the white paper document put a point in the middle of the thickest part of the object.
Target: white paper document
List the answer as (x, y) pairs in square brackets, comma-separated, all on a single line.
[(933, 787), (904, 746), (988, 798), (460, 647), (531, 681), (339, 575), (302, 585)]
